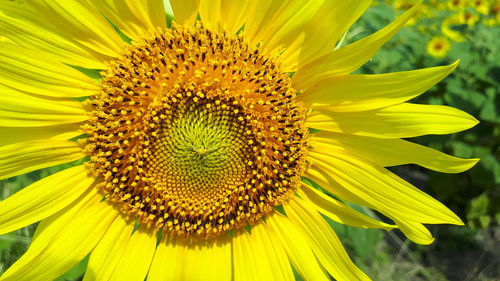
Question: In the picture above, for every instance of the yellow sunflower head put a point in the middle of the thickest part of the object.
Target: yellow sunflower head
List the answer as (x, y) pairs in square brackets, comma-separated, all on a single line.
[(438, 47), (455, 5), (448, 30), (467, 17), (481, 6), (203, 138)]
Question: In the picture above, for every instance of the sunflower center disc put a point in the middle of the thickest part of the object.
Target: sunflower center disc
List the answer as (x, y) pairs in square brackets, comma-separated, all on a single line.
[(196, 133)]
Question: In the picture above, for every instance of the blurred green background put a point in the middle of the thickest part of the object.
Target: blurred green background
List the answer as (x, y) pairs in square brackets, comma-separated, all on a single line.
[(443, 32)]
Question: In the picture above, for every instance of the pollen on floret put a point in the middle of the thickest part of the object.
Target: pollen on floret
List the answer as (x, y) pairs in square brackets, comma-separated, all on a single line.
[(195, 133)]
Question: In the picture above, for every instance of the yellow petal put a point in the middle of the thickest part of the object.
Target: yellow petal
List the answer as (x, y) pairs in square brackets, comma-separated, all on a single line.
[(27, 71), (136, 259), (319, 34), (297, 247), (51, 226), (279, 33), (348, 58), (18, 109), (43, 198), (360, 92), (415, 231), (179, 259), (133, 18), (9, 135), (257, 18), (323, 240), (109, 250), (226, 15), (253, 259), (365, 183), (277, 24), (151, 12), (208, 261), (276, 254), (24, 157), (185, 11), (167, 262), (391, 152), (72, 31), (65, 249), (400, 121), (81, 22), (338, 211)]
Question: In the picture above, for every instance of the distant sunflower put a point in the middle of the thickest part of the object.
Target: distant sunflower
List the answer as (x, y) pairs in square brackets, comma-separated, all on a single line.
[(448, 30), (438, 47), (467, 17), (495, 10), (199, 142), (456, 4), (481, 6)]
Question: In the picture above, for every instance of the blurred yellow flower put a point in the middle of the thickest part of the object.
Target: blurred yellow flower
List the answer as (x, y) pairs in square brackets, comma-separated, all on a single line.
[(438, 47), (403, 5), (455, 5), (467, 17), (495, 10), (481, 6), (448, 31)]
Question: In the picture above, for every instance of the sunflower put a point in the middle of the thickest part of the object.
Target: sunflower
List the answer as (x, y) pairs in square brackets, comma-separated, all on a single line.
[(481, 6), (447, 28), (438, 47), (203, 138), (467, 17), (455, 5)]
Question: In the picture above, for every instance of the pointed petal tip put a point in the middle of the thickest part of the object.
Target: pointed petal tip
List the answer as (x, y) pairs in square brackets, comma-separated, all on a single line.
[(471, 163), (427, 242)]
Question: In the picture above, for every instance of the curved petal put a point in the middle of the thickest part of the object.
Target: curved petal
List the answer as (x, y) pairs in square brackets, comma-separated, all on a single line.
[(185, 11), (24, 157), (323, 240), (65, 249), (277, 256), (43, 198), (82, 22), (277, 24), (71, 31), (400, 121), (390, 152), (297, 247), (228, 15), (415, 231), (338, 211), (136, 259), (51, 226), (109, 250), (348, 58), (254, 258), (27, 71), (287, 25), (365, 183), (134, 18), (167, 261), (319, 35), (9, 135), (18, 109), (177, 259), (360, 92)]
